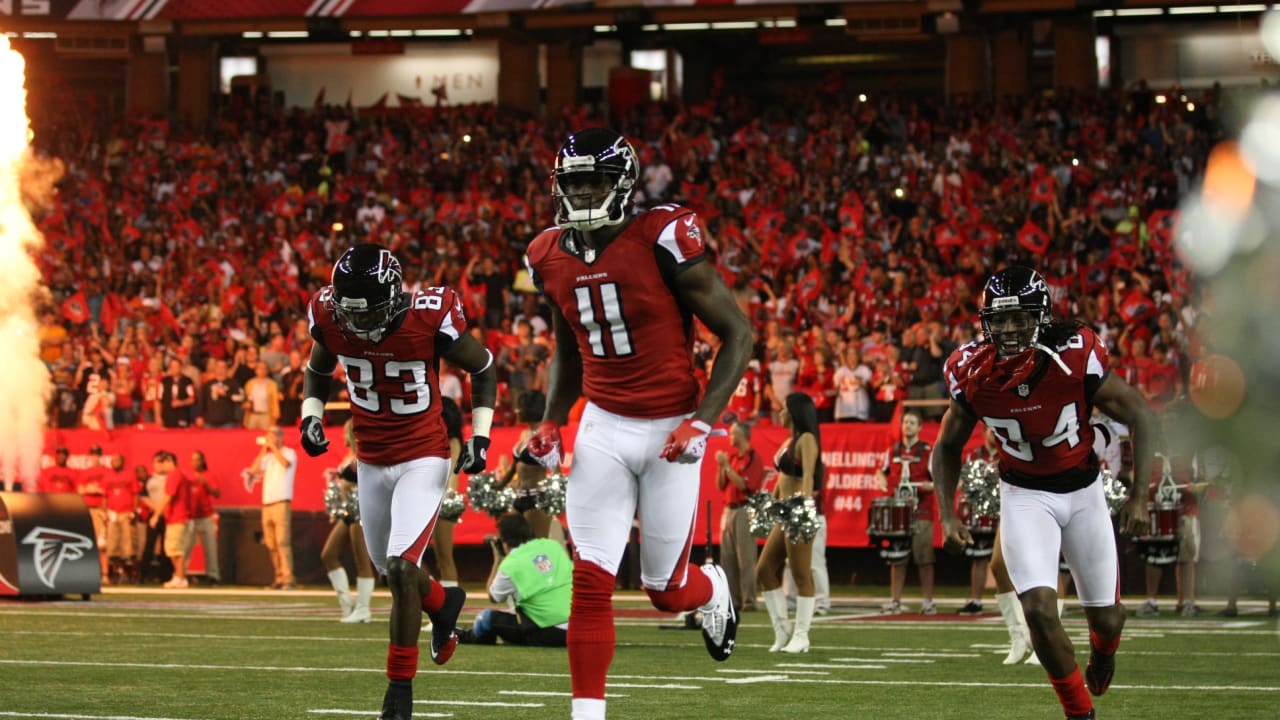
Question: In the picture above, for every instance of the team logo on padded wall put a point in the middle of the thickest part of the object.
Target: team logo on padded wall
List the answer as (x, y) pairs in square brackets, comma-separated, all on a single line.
[(50, 548)]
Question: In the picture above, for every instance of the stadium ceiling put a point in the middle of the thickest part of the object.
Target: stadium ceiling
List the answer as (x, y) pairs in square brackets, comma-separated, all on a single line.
[(334, 19)]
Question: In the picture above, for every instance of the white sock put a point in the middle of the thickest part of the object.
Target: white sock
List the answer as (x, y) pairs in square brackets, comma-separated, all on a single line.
[(448, 583), (338, 579), (364, 591), (588, 709)]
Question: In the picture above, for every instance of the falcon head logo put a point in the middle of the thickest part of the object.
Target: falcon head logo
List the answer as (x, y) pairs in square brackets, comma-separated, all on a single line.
[(51, 547)]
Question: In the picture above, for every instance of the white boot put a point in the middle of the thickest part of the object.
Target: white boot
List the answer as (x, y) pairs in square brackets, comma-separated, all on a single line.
[(364, 593), (338, 579), (804, 616), (776, 603), (1019, 637)]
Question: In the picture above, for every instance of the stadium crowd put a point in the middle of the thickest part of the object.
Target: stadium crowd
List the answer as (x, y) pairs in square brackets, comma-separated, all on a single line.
[(856, 234)]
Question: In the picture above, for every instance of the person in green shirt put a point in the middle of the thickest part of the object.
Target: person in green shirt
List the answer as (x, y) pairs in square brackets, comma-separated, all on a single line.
[(534, 574)]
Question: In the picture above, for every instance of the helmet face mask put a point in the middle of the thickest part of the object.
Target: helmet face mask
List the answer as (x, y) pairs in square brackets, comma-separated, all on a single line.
[(595, 174), (1014, 309), (367, 291)]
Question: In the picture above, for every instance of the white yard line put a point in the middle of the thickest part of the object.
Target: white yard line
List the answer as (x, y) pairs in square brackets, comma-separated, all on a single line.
[(659, 682)]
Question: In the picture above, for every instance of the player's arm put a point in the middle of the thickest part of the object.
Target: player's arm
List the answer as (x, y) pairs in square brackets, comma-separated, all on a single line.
[(316, 382), (1121, 402), (702, 290), (470, 355), (944, 465)]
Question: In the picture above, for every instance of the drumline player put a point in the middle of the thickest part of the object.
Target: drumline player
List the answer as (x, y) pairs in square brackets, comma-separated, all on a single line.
[(911, 456)]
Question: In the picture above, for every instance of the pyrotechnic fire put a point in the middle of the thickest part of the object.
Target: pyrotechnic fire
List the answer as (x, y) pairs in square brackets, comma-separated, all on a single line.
[(24, 381)]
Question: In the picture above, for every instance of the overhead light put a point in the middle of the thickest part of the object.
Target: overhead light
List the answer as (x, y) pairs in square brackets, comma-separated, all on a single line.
[(379, 33), (862, 97), (649, 28), (735, 25), (1242, 8), (1191, 107), (1138, 12), (784, 23), (687, 26), (40, 35), (836, 22), (1104, 13), (251, 35), (1193, 10), (604, 28), (1161, 99), (433, 32), (356, 33), (288, 34), (402, 33)]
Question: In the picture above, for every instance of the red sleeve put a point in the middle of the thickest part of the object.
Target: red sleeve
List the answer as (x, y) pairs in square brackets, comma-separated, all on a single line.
[(682, 239), (754, 474)]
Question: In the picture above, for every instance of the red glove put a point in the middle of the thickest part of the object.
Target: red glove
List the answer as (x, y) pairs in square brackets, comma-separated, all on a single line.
[(687, 443), (545, 444)]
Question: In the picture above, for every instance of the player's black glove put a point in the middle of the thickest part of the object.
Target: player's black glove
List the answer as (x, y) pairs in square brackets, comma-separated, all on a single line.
[(313, 439), (474, 455)]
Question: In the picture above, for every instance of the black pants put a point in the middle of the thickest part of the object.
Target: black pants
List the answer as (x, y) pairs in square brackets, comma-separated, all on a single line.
[(516, 629)]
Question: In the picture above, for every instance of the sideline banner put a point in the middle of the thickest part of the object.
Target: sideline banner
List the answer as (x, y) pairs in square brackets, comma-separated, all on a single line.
[(851, 453), (47, 545)]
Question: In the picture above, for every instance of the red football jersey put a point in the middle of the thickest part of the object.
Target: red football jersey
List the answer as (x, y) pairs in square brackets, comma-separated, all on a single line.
[(634, 337), (394, 384), (743, 401), (1039, 411)]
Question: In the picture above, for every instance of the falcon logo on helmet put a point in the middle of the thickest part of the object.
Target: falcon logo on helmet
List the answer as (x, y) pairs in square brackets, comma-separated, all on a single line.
[(368, 294), (595, 175), (1015, 308)]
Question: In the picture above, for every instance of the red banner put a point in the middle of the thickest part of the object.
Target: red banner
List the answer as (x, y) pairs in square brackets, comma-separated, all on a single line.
[(851, 454)]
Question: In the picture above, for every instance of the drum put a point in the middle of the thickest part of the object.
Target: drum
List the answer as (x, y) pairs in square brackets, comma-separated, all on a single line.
[(1164, 520), (1160, 546), (978, 524), (890, 517)]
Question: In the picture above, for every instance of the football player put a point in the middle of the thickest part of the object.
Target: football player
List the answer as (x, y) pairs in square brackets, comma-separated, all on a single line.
[(389, 343), (624, 291), (1035, 382)]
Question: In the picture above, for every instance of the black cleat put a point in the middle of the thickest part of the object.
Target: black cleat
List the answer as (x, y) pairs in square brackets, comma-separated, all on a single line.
[(397, 704), (443, 638), (720, 620), (1087, 716), (1097, 674), (970, 608)]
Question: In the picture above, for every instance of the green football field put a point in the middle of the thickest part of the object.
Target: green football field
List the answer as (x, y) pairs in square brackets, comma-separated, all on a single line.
[(230, 654)]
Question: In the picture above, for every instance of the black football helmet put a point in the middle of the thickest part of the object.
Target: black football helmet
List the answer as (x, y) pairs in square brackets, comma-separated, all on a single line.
[(1015, 308), (595, 174), (368, 291)]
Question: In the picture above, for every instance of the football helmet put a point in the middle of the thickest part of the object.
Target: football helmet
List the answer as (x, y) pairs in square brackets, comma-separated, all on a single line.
[(368, 292), (1015, 308), (595, 174)]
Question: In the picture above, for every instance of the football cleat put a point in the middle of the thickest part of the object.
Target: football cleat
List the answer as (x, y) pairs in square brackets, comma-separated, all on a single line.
[(1097, 674), (397, 704), (1087, 716), (443, 638), (972, 607), (719, 619)]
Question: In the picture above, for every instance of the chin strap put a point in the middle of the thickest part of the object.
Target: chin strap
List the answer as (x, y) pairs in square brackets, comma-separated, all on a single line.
[(1054, 355)]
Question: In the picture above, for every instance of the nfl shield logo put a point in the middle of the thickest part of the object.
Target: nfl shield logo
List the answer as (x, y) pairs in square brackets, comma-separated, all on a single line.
[(1023, 390)]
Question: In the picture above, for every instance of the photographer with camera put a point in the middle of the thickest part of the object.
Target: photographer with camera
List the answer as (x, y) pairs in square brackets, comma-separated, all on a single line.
[(536, 575), (277, 464)]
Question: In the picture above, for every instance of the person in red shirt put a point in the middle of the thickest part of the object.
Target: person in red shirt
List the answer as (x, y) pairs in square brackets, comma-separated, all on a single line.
[(204, 518), (175, 507), (121, 489), (745, 401), (57, 478), (739, 476), (89, 483), (909, 462)]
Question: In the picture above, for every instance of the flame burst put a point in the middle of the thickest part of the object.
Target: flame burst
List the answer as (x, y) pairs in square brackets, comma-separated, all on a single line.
[(24, 382)]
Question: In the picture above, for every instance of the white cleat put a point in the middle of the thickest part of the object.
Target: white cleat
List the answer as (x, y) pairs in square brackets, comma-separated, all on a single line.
[(719, 619), (359, 615), (1018, 651)]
